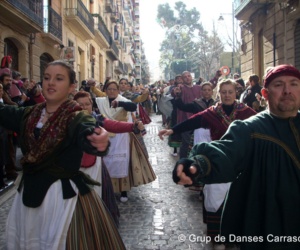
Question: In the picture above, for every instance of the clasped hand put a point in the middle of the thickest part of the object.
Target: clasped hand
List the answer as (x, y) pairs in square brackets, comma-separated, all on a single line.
[(99, 139), (184, 179)]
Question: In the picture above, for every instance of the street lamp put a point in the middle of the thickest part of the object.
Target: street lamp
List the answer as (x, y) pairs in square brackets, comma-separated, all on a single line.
[(221, 18)]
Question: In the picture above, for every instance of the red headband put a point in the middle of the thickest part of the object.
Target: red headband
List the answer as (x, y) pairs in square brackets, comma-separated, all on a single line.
[(281, 70)]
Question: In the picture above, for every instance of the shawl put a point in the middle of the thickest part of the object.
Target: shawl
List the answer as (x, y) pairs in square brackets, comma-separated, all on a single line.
[(117, 114), (51, 134), (226, 120)]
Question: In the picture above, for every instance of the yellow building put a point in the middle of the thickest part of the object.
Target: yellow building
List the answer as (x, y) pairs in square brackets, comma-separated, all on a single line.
[(96, 36)]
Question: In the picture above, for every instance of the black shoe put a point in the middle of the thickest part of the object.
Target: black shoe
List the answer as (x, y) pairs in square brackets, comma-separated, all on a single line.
[(124, 197)]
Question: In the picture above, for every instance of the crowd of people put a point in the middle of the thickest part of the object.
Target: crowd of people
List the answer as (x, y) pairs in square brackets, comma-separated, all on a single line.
[(102, 136), (237, 143), (247, 158)]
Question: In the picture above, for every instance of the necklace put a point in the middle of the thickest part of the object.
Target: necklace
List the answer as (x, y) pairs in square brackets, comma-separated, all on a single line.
[(49, 113)]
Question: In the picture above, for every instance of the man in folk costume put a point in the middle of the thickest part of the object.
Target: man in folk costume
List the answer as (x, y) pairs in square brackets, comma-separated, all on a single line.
[(260, 156)]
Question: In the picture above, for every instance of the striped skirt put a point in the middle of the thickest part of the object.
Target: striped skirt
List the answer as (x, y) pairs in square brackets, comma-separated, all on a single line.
[(92, 226)]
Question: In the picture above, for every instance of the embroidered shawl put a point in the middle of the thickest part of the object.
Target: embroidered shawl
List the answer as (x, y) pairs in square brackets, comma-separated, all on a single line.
[(51, 134)]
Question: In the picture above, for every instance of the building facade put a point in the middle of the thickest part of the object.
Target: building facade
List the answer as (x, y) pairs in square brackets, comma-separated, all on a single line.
[(96, 36), (270, 33)]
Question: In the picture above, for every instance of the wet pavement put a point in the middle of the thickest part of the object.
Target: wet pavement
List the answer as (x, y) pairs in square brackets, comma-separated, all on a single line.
[(160, 215)]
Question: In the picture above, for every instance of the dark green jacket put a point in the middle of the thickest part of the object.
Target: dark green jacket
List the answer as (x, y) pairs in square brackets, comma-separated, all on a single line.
[(261, 156)]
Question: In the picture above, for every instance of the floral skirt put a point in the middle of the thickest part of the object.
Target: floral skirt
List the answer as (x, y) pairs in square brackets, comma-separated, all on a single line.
[(140, 170)]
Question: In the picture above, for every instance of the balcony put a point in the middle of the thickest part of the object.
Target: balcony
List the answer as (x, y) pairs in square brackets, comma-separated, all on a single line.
[(137, 13), (81, 20), (102, 32), (113, 50), (22, 16), (244, 9), (127, 14), (52, 25), (109, 5), (118, 67), (127, 35)]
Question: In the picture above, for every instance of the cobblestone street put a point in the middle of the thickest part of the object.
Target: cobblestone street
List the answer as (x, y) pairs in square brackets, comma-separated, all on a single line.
[(159, 215)]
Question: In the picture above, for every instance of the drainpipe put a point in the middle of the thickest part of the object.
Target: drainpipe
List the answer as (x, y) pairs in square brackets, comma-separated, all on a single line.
[(30, 50)]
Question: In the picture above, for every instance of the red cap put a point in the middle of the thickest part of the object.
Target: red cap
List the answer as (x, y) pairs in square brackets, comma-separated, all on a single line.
[(281, 70)]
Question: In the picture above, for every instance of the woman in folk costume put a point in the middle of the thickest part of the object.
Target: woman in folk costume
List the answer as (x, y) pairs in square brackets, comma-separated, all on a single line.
[(125, 91), (126, 161), (92, 165), (137, 97), (56, 206), (217, 119)]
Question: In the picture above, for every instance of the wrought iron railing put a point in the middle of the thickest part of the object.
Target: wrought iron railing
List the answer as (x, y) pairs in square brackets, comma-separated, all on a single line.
[(114, 47), (121, 66), (54, 23), (82, 12), (102, 28), (33, 9)]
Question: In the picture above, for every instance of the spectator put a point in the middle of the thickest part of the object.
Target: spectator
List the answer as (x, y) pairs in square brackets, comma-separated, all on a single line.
[(5, 66), (249, 96), (10, 166), (240, 87), (236, 76)]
